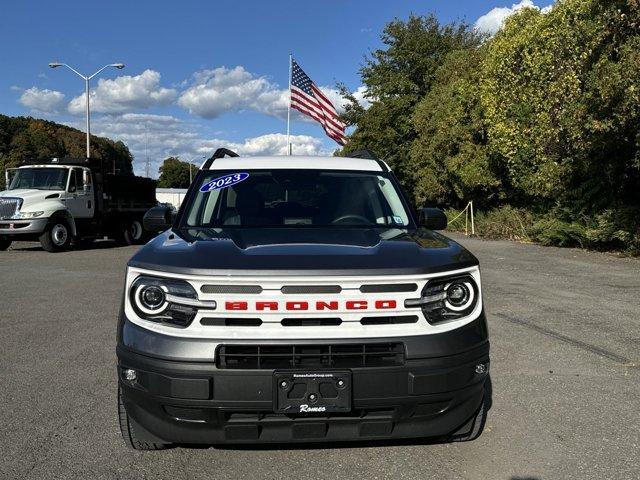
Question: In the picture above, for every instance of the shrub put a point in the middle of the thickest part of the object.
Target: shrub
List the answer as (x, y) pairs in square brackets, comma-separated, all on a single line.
[(505, 223), (554, 231), (614, 229)]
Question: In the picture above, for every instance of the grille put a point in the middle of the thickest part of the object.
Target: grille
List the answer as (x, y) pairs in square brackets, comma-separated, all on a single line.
[(255, 289), (389, 288), (9, 207), (310, 322), (231, 322), (389, 320), (311, 289), (310, 356)]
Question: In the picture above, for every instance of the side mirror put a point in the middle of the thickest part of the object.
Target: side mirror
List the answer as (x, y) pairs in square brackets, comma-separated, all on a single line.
[(86, 181), (158, 219), (432, 218)]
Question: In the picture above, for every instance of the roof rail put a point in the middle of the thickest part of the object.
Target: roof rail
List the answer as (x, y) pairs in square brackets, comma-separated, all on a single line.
[(369, 155), (219, 153)]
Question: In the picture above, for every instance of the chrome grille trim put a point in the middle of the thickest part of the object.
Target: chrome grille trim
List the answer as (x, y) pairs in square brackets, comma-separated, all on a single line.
[(9, 206)]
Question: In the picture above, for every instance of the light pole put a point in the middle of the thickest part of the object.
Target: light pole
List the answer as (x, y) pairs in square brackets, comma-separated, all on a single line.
[(86, 79), (190, 175)]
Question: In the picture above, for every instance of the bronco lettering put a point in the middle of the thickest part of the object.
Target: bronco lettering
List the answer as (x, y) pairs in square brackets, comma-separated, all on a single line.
[(319, 306)]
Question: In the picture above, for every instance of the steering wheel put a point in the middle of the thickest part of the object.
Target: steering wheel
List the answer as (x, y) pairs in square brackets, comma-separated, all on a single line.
[(358, 218)]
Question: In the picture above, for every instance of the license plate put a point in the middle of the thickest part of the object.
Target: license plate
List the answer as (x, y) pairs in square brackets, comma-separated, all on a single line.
[(312, 392)]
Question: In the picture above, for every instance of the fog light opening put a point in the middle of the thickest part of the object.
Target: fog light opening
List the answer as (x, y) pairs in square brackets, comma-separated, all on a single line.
[(130, 375)]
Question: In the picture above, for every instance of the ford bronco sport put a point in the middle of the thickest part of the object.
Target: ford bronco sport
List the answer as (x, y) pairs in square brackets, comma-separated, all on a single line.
[(297, 299)]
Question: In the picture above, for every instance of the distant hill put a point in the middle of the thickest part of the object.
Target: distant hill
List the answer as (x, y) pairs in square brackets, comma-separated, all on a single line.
[(27, 137)]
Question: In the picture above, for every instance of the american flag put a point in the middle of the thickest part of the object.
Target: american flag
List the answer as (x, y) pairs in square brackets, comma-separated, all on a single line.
[(307, 98)]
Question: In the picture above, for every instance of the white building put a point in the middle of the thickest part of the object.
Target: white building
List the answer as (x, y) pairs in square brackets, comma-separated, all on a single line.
[(174, 196)]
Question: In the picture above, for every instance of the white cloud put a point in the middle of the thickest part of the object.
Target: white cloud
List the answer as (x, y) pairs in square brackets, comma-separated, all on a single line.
[(269, 144), (221, 90), (491, 22), (340, 102), (42, 100), (126, 93), (214, 92), (161, 136)]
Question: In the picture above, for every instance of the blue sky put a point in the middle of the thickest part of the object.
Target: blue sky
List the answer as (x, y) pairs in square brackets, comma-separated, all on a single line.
[(199, 74)]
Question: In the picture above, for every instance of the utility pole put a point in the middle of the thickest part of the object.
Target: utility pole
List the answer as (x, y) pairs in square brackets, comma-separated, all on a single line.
[(147, 167)]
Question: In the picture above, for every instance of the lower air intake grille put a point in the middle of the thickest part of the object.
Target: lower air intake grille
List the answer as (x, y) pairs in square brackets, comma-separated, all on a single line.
[(309, 356)]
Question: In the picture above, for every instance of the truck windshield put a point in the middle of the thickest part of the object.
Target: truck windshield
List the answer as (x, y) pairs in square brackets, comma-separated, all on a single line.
[(40, 178), (306, 198)]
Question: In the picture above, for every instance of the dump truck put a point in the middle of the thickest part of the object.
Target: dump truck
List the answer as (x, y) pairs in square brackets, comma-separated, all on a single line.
[(62, 202)]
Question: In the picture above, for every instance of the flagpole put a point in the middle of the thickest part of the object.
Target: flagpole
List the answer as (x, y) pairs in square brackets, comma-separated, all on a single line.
[(289, 149)]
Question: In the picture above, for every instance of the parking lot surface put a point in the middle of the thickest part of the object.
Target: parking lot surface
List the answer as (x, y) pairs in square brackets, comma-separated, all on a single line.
[(565, 332)]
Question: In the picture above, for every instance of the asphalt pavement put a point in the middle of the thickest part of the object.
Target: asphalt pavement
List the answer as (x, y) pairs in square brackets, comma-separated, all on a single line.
[(565, 332)]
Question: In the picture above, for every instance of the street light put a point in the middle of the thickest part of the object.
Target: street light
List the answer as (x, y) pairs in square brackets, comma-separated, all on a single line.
[(190, 162), (86, 79)]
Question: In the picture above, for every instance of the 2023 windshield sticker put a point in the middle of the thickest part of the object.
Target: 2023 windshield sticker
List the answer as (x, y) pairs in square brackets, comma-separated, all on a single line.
[(224, 181)]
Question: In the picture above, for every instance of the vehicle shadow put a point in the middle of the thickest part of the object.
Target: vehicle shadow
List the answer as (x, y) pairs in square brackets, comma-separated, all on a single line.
[(96, 245), (488, 403)]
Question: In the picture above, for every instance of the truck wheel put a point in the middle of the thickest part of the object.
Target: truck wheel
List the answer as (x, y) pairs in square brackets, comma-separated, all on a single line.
[(135, 232), (5, 243), (474, 427), (132, 233), (56, 237), (132, 433)]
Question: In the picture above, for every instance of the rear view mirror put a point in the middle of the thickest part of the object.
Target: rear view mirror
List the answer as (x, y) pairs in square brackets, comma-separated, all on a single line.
[(158, 219), (432, 218)]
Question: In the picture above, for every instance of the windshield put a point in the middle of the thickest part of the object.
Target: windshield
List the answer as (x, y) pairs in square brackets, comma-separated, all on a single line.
[(40, 179), (306, 198)]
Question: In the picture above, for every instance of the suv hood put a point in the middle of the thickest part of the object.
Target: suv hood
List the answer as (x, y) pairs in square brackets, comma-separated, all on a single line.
[(302, 251)]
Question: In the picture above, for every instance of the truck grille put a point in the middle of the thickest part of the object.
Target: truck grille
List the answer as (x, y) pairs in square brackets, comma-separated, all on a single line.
[(9, 207), (310, 356)]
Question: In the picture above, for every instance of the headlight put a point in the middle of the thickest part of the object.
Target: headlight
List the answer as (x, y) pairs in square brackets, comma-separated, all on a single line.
[(25, 215), (165, 300), (447, 298)]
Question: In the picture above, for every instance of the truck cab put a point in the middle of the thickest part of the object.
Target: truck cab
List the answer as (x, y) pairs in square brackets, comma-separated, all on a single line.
[(57, 202)]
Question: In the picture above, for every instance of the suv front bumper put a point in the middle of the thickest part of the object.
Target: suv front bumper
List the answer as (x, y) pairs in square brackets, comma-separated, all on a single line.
[(433, 394)]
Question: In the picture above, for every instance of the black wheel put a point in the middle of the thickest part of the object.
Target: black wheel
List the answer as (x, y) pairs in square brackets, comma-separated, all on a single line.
[(474, 427), (132, 433), (5, 243), (56, 237), (132, 233)]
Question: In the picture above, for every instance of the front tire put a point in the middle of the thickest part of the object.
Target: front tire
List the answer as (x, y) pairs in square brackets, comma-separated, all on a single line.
[(132, 433), (5, 243), (132, 233), (56, 237)]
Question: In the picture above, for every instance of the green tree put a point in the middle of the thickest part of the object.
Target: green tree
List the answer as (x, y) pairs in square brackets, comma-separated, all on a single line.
[(561, 96), (450, 162), (30, 138), (174, 173), (397, 77)]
